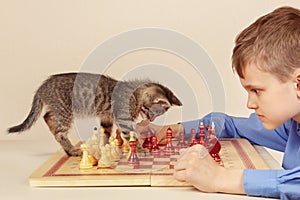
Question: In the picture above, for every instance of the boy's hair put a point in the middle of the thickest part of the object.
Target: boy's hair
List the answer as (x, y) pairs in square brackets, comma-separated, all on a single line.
[(272, 43)]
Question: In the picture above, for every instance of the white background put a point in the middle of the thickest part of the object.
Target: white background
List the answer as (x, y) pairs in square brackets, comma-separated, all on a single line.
[(40, 38)]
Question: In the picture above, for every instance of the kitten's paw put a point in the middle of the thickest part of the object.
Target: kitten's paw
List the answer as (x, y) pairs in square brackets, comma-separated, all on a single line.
[(75, 152)]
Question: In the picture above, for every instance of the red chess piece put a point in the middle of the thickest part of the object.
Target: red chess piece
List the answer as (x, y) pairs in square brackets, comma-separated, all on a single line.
[(133, 157), (147, 143), (201, 133), (214, 147), (192, 137), (169, 148), (181, 143), (210, 132), (154, 145)]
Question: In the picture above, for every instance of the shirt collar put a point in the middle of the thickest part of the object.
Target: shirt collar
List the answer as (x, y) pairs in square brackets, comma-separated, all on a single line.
[(298, 129)]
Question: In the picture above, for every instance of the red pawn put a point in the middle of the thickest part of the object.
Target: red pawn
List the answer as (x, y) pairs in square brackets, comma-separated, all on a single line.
[(133, 157), (169, 148), (181, 143), (147, 143), (154, 145), (201, 133), (192, 137)]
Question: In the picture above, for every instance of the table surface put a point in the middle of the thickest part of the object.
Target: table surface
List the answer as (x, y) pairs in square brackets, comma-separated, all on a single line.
[(20, 158)]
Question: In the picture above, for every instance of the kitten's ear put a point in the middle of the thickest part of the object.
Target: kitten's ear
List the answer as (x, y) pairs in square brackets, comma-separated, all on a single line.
[(171, 97), (161, 100)]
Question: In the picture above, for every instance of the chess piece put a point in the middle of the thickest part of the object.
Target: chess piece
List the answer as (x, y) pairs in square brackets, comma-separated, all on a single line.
[(114, 152), (104, 161), (119, 138), (85, 162), (93, 159), (147, 142), (102, 137), (181, 143), (133, 158), (111, 139), (169, 148), (132, 136), (212, 144), (201, 133), (131, 139), (118, 147), (94, 138), (154, 145), (92, 143), (214, 147), (192, 137), (108, 153), (125, 148), (211, 131)]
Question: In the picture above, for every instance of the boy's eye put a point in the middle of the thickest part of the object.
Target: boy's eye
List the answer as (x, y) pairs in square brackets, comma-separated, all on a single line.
[(256, 91)]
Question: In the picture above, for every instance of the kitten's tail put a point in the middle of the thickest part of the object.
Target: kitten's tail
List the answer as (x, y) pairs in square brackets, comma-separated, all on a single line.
[(35, 112)]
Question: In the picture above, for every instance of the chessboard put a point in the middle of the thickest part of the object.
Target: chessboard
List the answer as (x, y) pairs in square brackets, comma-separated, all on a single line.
[(61, 170)]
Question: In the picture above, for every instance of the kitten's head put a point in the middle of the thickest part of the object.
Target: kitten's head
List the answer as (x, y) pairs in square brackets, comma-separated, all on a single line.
[(153, 100)]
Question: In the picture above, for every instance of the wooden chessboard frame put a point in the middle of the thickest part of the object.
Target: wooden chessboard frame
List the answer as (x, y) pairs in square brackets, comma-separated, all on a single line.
[(61, 170)]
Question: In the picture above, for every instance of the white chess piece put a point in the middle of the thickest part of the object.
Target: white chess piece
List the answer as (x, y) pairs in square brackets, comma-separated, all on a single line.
[(104, 160), (85, 162), (114, 152)]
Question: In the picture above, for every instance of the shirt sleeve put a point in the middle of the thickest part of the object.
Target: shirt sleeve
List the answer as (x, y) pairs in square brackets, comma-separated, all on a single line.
[(238, 127), (273, 183)]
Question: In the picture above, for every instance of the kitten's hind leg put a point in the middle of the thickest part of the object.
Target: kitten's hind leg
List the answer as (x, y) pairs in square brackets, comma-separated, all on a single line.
[(59, 129), (63, 139)]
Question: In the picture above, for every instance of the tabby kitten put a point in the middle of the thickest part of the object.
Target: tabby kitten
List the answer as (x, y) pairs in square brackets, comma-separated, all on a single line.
[(70, 95)]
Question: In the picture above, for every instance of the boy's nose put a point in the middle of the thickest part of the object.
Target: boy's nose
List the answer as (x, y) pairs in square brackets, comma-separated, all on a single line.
[(251, 103)]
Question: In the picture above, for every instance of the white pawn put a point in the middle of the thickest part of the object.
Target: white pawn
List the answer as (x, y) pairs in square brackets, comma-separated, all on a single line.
[(92, 143), (85, 162), (102, 142), (102, 137), (104, 162), (118, 147), (108, 153), (114, 152)]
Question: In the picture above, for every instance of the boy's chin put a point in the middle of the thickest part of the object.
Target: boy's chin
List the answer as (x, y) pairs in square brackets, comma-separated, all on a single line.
[(270, 126)]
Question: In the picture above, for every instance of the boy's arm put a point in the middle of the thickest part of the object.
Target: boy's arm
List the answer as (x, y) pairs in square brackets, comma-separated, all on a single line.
[(240, 127), (225, 127), (273, 183)]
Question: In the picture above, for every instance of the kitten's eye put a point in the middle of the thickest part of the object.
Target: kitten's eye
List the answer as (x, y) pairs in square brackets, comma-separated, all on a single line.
[(145, 108)]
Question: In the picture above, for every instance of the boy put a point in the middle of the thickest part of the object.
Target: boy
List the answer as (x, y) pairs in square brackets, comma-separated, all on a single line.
[(266, 57)]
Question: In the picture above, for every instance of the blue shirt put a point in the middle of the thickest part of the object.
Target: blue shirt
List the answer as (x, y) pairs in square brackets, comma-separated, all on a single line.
[(283, 183)]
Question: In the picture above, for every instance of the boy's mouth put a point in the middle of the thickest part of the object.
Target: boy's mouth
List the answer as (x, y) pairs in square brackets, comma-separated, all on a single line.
[(260, 116)]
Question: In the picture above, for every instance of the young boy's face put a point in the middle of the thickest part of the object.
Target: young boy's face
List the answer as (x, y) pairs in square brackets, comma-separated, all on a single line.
[(273, 101)]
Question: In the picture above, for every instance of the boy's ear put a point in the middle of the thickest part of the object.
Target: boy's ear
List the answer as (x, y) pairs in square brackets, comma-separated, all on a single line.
[(297, 83)]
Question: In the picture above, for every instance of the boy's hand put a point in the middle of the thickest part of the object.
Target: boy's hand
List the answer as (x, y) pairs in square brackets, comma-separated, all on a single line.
[(197, 167), (145, 126)]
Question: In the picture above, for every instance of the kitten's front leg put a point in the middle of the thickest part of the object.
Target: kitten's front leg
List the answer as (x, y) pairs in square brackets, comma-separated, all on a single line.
[(107, 126), (125, 129), (124, 122)]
